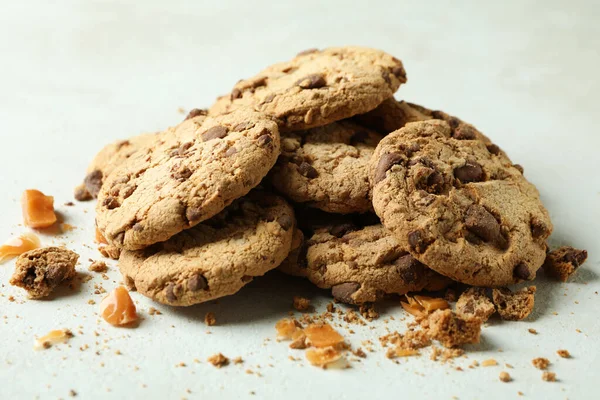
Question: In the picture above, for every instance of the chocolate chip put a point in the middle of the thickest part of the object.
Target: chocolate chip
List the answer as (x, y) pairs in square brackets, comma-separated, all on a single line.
[(55, 274), (313, 81), (470, 172), (409, 269), (182, 174), (521, 272), (195, 112), (344, 291), (308, 51), (386, 162), (493, 149), (286, 222), (230, 151), (386, 77), (538, 229), (359, 137), (418, 241), (197, 282), (247, 278), (264, 140), (216, 132), (93, 182), (128, 191), (111, 203), (243, 126), (399, 72), (235, 94), (429, 180), (340, 230), (170, 292), (82, 194), (482, 223), (519, 167), (181, 150), (307, 170), (193, 214), (464, 132)]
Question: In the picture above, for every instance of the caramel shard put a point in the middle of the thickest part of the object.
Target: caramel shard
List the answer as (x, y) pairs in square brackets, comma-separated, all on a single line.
[(398, 352), (38, 209), (430, 304), (19, 245), (286, 328), (563, 262), (40, 271), (298, 340), (301, 303), (98, 266), (322, 335), (52, 338), (540, 363), (514, 306), (322, 357), (452, 330), (218, 360), (117, 308), (415, 310), (100, 237), (505, 376), (474, 302)]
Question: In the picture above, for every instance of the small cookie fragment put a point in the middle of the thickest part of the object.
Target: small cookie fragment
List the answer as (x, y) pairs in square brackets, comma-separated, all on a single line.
[(452, 330), (474, 302), (98, 266), (40, 271), (210, 319), (540, 363), (110, 251), (301, 303), (563, 262), (549, 376), (505, 376), (218, 360), (514, 306), (563, 353)]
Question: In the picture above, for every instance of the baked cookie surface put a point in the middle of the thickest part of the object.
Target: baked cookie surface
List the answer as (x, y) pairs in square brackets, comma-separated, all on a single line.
[(459, 207), (216, 257), (196, 170), (327, 167), (360, 261), (318, 87)]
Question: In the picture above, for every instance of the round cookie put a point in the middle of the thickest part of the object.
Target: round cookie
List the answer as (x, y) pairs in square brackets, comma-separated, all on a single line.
[(217, 257), (327, 167), (359, 263), (459, 206), (196, 170), (318, 87), (109, 158)]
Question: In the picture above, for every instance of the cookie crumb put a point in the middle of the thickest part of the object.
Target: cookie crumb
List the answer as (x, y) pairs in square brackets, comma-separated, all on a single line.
[(368, 312), (218, 360), (98, 266), (110, 251), (540, 363), (532, 331), (489, 363), (91, 301), (72, 393), (549, 376), (301, 303), (514, 306), (359, 353), (474, 302), (563, 262), (210, 319), (505, 376), (564, 353), (451, 330), (154, 311), (238, 360)]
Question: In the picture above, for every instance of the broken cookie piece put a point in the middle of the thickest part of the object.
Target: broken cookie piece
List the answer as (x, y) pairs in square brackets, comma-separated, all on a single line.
[(40, 271), (563, 262), (514, 306), (452, 330), (475, 303)]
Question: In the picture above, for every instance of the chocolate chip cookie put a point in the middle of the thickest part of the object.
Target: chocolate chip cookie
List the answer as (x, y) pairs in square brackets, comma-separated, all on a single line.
[(318, 87), (359, 263), (327, 167), (109, 158), (459, 207), (217, 257), (196, 170)]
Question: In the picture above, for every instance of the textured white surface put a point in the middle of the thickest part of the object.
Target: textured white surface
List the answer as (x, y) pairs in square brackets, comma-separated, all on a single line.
[(75, 75)]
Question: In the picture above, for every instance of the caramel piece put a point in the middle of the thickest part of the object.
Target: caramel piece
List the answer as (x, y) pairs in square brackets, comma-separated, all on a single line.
[(99, 237), (430, 304), (322, 335), (117, 308), (52, 338), (19, 245), (452, 330), (322, 357), (415, 310), (38, 209), (286, 328)]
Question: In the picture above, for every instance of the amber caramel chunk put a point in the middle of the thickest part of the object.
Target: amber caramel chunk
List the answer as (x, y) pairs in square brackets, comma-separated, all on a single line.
[(322, 335), (117, 308), (52, 338), (38, 209), (430, 304), (99, 237), (323, 356), (40, 271), (19, 245), (286, 328), (413, 309)]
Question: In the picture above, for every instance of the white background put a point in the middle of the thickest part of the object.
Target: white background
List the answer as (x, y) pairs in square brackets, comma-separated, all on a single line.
[(75, 75)]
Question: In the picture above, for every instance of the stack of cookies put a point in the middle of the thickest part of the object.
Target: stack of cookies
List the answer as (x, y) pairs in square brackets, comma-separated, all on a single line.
[(312, 166)]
